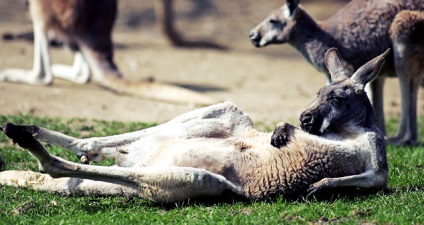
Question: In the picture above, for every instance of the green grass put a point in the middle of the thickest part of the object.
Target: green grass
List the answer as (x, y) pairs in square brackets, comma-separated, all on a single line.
[(401, 203)]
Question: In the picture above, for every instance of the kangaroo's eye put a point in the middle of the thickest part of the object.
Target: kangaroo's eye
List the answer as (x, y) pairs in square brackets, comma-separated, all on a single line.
[(274, 21), (336, 99)]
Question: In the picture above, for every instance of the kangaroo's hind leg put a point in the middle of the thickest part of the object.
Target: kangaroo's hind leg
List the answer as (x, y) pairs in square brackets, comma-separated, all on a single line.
[(377, 101), (40, 73), (218, 121), (79, 72), (159, 184), (406, 32), (88, 149), (64, 186)]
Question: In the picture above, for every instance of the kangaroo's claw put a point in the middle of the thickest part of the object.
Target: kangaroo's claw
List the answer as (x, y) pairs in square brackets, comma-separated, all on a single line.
[(83, 159)]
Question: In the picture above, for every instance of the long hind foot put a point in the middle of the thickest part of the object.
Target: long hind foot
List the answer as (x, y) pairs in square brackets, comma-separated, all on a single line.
[(10, 127), (22, 135), (25, 76), (27, 141), (14, 132), (400, 140)]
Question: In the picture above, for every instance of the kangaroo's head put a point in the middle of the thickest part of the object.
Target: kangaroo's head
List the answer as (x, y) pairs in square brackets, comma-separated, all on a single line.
[(343, 104), (277, 26)]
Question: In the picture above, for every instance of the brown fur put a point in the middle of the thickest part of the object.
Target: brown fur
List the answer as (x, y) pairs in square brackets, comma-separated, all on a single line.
[(86, 27), (408, 25)]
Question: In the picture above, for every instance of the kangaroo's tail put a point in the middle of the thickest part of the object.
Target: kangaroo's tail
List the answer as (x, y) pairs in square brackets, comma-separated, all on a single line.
[(107, 75), (155, 91)]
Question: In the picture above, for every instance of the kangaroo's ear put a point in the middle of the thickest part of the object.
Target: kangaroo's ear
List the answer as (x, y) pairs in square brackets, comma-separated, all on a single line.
[(368, 71), (334, 65), (292, 5)]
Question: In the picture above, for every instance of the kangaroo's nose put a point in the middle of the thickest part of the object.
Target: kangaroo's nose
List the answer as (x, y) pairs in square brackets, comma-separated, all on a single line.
[(306, 118), (255, 38)]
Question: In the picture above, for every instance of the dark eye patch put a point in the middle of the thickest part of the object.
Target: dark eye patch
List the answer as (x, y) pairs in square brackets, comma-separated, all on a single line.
[(341, 92), (336, 96), (274, 21)]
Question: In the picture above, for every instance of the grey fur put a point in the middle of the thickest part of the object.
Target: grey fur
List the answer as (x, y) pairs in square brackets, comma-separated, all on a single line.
[(361, 30)]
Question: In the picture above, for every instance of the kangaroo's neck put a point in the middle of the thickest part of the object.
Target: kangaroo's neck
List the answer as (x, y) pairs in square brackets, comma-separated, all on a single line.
[(370, 121), (312, 39), (366, 122)]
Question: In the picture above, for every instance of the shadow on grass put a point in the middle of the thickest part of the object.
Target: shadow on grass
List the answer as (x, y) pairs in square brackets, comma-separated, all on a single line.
[(228, 198), (97, 204), (199, 88), (94, 205), (329, 196)]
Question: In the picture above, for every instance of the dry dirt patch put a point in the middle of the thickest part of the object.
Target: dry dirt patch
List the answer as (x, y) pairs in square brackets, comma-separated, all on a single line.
[(272, 84)]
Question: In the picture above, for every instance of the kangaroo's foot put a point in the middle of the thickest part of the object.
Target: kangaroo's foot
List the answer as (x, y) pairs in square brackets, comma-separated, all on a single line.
[(24, 76), (401, 140), (21, 135), (18, 132), (78, 73), (27, 141), (10, 127)]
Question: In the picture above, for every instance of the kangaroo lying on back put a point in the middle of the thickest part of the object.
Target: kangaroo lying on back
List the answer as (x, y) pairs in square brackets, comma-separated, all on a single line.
[(360, 31), (86, 27), (215, 149)]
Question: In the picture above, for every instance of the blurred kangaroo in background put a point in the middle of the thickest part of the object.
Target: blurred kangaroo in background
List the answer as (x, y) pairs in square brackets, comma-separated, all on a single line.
[(361, 30), (86, 27), (164, 11)]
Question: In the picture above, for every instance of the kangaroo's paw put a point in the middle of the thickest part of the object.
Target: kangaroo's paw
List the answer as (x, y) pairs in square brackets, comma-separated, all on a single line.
[(282, 135), (83, 158)]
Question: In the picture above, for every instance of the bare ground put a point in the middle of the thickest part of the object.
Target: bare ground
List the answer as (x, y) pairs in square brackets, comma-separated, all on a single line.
[(272, 84)]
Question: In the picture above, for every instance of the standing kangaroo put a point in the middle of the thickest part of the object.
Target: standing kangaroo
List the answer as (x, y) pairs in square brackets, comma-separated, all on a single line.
[(361, 30), (164, 13), (215, 149), (86, 27)]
